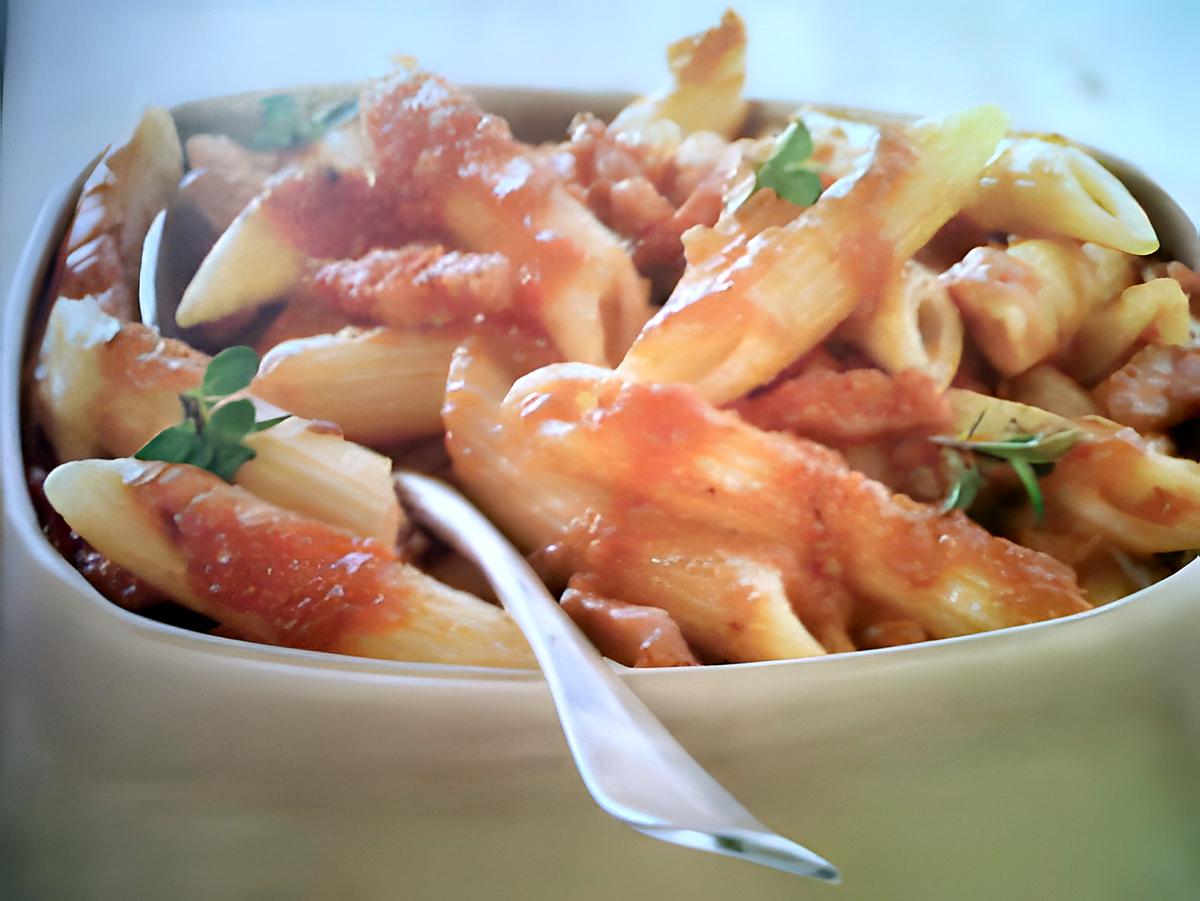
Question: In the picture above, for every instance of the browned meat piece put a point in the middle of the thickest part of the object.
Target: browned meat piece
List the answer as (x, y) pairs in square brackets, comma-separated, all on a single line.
[(631, 634), (851, 407)]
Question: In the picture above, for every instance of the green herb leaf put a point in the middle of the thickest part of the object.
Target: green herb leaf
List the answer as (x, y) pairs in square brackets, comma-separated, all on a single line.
[(227, 458), (267, 423), (231, 422), (1029, 479), (789, 171), (231, 370), (1030, 456), (965, 487), (285, 124), (171, 445), (1030, 448), (212, 432)]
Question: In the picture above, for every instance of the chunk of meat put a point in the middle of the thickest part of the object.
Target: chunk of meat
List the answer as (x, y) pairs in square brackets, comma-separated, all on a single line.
[(417, 285), (328, 214), (857, 406), (224, 176), (632, 634), (1158, 388)]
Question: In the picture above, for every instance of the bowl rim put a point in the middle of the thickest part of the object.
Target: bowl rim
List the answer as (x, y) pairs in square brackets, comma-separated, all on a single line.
[(21, 525)]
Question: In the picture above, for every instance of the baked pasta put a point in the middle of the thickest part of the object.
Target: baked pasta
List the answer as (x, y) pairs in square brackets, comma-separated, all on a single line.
[(741, 391)]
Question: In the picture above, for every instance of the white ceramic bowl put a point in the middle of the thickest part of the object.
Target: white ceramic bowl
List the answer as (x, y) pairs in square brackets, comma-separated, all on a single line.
[(142, 761)]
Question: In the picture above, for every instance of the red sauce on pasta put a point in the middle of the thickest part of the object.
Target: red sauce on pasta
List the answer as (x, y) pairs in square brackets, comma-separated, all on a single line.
[(273, 575)]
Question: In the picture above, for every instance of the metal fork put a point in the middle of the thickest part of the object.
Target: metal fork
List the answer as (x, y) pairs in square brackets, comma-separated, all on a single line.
[(635, 770)]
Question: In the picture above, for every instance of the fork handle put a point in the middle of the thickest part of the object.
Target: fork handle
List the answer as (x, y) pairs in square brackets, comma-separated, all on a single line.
[(632, 766)]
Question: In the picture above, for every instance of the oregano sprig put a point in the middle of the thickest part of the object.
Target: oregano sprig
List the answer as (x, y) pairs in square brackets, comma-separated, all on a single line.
[(285, 124), (1029, 455), (790, 171), (213, 428)]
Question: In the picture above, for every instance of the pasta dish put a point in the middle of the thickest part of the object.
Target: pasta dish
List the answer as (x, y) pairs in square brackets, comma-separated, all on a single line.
[(740, 393)]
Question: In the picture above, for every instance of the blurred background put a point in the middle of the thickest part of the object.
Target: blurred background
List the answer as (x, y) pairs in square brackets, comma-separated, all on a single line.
[(1117, 75)]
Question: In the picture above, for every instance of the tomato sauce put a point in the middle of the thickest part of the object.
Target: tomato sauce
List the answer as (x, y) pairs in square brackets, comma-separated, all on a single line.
[(273, 575)]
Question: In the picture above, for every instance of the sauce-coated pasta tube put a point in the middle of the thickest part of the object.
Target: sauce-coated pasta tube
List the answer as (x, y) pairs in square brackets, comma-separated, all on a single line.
[(913, 325), (272, 575), (105, 389), (1113, 483), (629, 483), (378, 386), (1022, 304), (708, 71), (1153, 313), (739, 317), (1047, 188)]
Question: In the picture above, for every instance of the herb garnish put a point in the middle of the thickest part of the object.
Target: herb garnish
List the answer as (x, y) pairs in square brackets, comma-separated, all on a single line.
[(1030, 456), (211, 433), (789, 171), (284, 124)]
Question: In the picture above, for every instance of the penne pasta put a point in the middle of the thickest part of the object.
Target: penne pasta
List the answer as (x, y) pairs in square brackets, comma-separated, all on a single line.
[(1048, 188), (653, 477), (913, 325), (271, 575), (1052, 390), (743, 311), (1113, 483), (379, 386), (1023, 303), (708, 71), (1152, 313), (877, 350), (105, 389)]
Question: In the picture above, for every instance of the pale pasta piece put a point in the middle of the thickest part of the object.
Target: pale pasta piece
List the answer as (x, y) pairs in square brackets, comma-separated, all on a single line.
[(1051, 389), (1113, 483), (1038, 187), (271, 575), (913, 325), (105, 389), (668, 501), (377, 385), (596, 307), (1138, 499), (1153, 313), (744, 310), (708, 71), (1024, 303), (252, 263)]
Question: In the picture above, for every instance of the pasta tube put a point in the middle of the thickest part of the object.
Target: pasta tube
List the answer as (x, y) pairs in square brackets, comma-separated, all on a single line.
[(1053, 390), (105, 389), (379, 386), (1023, 304), (1038, 187), (667, 501), (1155, 312), (749, 308), (271, 575), (1113, 483), (708, 71), (913, 325)]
